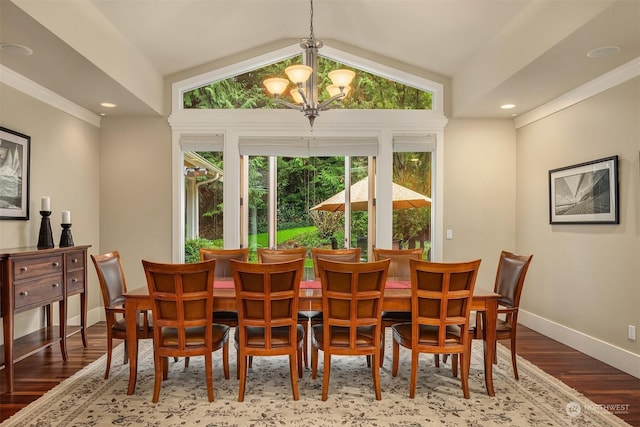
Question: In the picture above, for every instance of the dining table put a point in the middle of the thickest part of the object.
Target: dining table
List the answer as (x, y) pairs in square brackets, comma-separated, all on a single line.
[(397, 297)]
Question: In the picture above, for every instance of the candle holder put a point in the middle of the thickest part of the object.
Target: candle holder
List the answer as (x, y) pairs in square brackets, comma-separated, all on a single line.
[(45, 239), (66, 239)]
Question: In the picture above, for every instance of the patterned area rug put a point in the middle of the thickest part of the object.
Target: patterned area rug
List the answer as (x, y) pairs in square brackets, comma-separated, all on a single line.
[(537, 399)]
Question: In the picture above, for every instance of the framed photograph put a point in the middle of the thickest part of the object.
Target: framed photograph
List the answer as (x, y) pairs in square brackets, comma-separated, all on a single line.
[(586, 193), (15, 150)]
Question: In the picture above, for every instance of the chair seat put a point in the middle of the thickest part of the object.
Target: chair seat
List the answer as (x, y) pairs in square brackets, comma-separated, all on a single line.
[(120, 325), (279, 337), (501, 327), (195, 336), (428, 335), (340, 336)]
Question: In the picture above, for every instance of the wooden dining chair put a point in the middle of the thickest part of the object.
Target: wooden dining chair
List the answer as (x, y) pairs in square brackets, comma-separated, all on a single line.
[(352, 297), (398, 270), (267, 296), (223, 259), (305, 317), (341, 255), (112, 285), (182, 308), (440, 307)]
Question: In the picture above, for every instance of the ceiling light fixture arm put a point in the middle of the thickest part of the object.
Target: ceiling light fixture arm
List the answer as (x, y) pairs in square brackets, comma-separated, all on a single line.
[(305, 77)]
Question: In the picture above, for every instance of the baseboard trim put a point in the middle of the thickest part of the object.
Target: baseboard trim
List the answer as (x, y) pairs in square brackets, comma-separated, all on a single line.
[(605, 352), (94, 316)]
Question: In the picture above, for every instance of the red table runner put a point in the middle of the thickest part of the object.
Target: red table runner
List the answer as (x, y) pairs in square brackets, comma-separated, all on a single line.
[(315, 284)]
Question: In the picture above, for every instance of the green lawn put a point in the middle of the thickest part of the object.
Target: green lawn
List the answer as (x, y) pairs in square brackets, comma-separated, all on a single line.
[(262, 241)]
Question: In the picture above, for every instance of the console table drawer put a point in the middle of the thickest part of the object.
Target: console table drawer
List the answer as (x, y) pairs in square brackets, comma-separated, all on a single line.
[(38, 291), (75, 281), (75, 260), (29, 268)]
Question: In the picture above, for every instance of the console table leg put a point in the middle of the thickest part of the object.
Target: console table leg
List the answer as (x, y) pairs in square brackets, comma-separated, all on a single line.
[(63, 330)]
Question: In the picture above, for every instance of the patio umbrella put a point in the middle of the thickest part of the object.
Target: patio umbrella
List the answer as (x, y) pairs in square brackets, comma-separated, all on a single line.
[(403, 198)]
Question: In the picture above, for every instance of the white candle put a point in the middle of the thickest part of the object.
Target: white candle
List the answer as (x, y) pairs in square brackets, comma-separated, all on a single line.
[(46, 203), (66, 217)]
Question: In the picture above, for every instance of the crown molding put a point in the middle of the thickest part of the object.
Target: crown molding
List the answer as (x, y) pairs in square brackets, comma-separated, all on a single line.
[(41, 93), (598, 85)]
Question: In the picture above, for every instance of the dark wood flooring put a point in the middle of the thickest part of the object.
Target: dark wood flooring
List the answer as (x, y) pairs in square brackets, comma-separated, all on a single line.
[(599, 382)]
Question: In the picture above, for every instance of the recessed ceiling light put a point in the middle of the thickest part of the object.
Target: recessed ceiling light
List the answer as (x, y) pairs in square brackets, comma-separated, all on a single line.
[(507, 106), (16, 49), (108, 104), (601, 52)]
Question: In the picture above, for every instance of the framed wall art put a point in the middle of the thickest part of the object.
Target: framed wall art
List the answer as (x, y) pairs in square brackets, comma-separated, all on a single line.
[(15, 151), (586, 193)]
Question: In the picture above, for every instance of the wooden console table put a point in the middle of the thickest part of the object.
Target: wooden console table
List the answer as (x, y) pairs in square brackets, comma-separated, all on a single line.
[(32, 278)]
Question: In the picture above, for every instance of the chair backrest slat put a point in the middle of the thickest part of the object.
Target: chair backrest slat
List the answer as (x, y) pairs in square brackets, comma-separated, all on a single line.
[(181, 297), (441, 296), (268, 256), (341, 255), (352, 297), (399, 268), (267, 297), (223, 257)]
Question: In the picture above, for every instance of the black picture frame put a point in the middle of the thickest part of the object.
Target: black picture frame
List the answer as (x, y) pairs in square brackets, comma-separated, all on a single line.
[(15, 154), (585, 193)]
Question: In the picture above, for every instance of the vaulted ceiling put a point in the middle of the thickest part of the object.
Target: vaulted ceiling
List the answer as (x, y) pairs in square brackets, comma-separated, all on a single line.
[(488, 52)]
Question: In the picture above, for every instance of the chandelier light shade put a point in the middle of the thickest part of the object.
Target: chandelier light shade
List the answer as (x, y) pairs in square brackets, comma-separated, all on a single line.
[(305, 78)]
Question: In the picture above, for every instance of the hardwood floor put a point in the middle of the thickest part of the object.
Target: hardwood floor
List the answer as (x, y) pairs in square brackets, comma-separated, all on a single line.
[(599, 382)]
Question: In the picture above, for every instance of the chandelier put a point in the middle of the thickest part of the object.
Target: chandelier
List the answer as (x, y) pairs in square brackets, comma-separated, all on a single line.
[(305, 77)]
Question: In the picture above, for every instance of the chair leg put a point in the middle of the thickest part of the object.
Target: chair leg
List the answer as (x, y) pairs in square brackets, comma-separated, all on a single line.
[(396, 358), (513, 354), (376, 375), (208, 367), (314, 362), (165, 368), (436, 359), (293, 363), (157, 383), (325, 378), (414, 373), (305, 325), (242, 370), (382, 345), (299, 362), (464, 375), (454, 365), (225, 360), (186, 362), (237, 363), (109, 350)]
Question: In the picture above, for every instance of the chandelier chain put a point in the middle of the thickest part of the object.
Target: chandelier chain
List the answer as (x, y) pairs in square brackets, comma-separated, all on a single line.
[(311, 36)]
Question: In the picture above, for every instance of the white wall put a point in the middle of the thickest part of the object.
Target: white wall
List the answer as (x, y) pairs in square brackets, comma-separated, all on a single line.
[(135, 192), (583, 286), (480, 193), (64, 166)]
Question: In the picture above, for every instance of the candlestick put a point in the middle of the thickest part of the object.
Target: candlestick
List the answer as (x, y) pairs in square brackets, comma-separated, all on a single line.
[(66, 239), (45, 239), (46, 204), (66, 217)]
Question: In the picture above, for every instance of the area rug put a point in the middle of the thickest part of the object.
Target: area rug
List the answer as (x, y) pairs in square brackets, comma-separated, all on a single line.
[(537, 399)]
